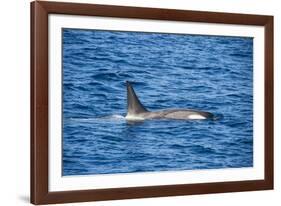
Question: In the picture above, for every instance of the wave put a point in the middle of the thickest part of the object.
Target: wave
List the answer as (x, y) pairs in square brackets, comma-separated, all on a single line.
[(89, 119)]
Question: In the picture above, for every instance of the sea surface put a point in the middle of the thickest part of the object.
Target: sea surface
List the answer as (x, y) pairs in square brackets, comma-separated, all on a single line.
[(209, 73)]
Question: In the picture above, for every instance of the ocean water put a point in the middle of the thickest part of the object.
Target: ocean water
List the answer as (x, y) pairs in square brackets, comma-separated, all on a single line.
[(210, 73)]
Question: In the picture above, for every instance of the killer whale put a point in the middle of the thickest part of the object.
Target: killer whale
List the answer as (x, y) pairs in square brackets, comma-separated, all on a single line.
[(137, 112)]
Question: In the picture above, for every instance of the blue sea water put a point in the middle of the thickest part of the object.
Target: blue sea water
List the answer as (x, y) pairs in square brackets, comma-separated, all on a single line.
[(210, 73)]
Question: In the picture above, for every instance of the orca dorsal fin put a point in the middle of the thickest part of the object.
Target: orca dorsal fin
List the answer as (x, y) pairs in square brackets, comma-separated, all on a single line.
[(134, 106)]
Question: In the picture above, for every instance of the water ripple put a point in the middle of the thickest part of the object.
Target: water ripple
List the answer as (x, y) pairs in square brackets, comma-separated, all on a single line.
[(168, 71)]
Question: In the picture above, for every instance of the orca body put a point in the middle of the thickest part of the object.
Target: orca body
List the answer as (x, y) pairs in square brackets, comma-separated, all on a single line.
[(137, 112)]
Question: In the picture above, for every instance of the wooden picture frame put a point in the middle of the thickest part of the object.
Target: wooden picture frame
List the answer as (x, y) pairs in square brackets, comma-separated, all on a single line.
[(40, 193)]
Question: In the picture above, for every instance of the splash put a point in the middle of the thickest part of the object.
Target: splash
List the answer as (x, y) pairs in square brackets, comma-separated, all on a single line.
[(113, 117)]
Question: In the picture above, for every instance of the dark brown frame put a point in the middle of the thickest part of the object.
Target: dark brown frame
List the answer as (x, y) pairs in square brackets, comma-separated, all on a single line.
[(39, 102)]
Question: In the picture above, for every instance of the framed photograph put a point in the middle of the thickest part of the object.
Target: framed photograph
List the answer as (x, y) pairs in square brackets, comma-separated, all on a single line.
[(131, 102)]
